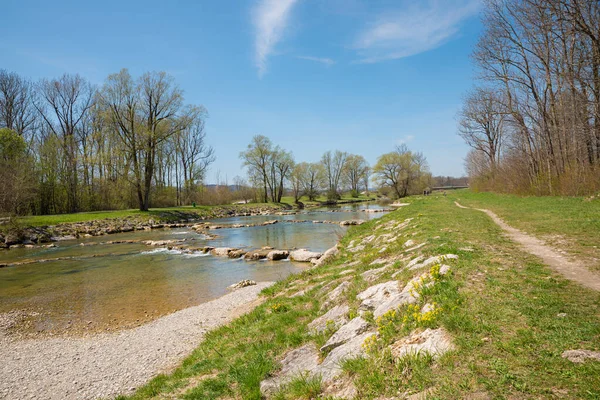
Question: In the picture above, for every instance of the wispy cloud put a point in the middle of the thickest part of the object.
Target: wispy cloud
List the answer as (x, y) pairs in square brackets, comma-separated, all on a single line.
[(323, 60), (420, 27), (270, 18)]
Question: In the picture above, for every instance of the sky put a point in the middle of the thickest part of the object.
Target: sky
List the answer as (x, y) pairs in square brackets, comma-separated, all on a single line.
[(360, 76)]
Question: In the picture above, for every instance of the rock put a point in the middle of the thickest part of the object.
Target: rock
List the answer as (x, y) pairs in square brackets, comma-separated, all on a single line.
[(336, 293), (236, 253), (271, 222), (340, 388), (329, 254), (331, 367), (387, 296), (221, 251), (303, 360), (433, 260), (409, 243), (414, 262), (242, 284), (434, 342), (352, 222), (11, 239), (373, 274), (337, 315), (580, 356), (275, 255), (303, 255), (257, 254), (346, 333)]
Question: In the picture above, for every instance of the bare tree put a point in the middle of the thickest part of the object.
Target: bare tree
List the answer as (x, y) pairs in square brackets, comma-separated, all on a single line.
[(333, 164), (481, 124), (17, 112), (67, 100)]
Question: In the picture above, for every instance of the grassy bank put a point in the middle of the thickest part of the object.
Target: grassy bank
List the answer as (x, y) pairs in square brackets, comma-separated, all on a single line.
[(571, 224), (509, 316), (158, 214), (320, 200)]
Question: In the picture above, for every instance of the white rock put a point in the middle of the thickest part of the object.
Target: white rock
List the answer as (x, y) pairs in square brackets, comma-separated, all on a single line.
[(346, 333), (373, 274), (221, 251), (303, 360), (303, 255), (434, 342), (433, 260), (337, 315), (580, 356)]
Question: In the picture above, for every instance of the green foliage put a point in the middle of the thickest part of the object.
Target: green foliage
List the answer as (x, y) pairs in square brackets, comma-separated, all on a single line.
[(12, 147)]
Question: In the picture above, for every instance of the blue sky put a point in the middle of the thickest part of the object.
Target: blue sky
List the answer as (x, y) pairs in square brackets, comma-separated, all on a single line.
[(313, 75)]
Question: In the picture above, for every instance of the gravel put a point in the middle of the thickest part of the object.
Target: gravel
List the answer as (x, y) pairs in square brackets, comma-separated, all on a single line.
[(106, 365)]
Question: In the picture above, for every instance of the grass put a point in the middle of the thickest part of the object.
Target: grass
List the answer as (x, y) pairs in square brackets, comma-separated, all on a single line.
[(500, 305), (571, 224)]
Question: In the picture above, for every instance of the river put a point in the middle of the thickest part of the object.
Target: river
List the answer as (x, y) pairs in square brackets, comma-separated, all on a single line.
[(108, 287)]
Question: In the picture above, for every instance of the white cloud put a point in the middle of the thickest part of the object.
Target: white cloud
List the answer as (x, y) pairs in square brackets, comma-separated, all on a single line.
[(270, 18), (323, 60), (416, 29)]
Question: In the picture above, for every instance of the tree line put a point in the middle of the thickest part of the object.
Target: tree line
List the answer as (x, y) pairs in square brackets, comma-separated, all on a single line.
[(67, 145), (271, 169), (534, 120)]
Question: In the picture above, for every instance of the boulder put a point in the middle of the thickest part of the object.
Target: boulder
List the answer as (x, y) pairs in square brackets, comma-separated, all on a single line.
[(580, 356), (242, 284), (434, 342), (346, 333), (373, 274), (331, 367), (257, 254), (337, 315), (303, 360), (237, 253), (221, 251), (352, 222), (432, 260), (275, 255), (303, 255), (271, 222), (329, 254)]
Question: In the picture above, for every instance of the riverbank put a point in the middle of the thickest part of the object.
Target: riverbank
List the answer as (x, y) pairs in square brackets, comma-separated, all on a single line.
[(104, 365), (29, 231), (430, 300)]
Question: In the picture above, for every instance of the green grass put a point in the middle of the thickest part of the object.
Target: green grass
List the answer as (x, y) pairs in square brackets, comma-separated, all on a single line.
[(568, 223), (499, 304)]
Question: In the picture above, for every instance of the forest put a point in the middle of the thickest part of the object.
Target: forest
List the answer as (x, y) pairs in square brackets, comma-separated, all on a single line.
[(68, 146), (533, 120)]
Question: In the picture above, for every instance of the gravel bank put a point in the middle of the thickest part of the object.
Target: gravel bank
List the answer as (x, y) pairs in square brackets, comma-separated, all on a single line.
[(106, 365)]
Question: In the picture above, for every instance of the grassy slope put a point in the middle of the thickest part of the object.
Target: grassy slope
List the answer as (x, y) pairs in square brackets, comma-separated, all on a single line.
[(499, 304), (156, 213), (571, 224)]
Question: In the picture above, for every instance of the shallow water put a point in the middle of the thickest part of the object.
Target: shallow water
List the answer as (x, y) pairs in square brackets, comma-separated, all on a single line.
[(113, 286)]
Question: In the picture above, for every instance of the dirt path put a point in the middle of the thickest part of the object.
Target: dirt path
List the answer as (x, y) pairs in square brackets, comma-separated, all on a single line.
[(572, 270), (105, 365)]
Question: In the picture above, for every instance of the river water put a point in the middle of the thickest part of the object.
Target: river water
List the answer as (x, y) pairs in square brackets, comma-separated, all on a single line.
[(114, 286)]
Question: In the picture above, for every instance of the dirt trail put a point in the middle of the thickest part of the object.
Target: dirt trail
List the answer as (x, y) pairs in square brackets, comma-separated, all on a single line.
[(572, 270), (105, 365)]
